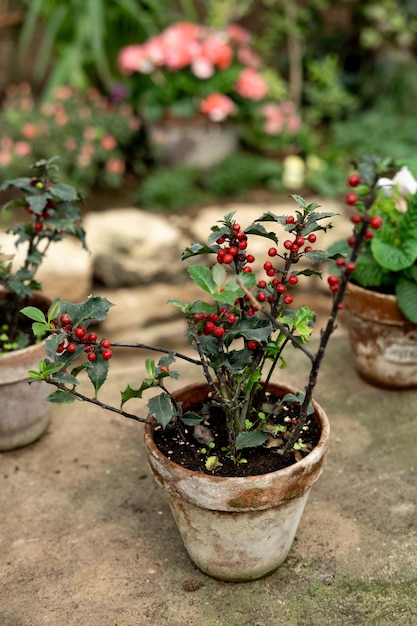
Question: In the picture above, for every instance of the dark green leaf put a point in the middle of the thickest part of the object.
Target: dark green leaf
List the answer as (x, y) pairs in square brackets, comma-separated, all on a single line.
[(34, 313), (97, 372), (61, 397), (406, 292), (251, 439), (162, 409)]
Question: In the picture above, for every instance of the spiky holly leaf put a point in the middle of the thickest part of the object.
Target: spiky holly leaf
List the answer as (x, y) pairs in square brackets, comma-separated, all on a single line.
[(162, 409)]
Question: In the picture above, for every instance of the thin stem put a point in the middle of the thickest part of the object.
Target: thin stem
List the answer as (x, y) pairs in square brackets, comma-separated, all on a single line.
[(144, 346), (97, 402)]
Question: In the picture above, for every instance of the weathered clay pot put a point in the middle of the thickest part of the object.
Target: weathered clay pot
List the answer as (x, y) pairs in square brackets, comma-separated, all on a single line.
[(383, 341), (24, 412), (197, 142), (238, 529)]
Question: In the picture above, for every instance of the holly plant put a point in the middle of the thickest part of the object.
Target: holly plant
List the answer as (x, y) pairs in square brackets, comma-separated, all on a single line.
[(51, 214), (242, 329)]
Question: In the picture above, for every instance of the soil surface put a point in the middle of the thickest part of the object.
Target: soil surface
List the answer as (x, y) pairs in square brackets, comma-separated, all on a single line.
[(87, 537)]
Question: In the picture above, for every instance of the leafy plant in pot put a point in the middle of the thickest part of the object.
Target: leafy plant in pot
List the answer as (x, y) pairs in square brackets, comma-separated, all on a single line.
[(51, 216), (381, 301), (237, 454)]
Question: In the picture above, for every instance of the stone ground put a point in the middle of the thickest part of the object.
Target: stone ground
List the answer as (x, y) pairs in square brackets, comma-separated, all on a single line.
[(87, 537)]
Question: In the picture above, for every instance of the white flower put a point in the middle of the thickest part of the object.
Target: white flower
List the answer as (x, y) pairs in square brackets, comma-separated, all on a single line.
[(403, 180)]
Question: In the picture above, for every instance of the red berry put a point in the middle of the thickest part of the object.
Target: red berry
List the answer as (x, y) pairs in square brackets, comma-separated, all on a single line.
[(376, 222), (341, 262), (308, 249), (290, 219), (281, 288), (208, 328), (247, 269), (350, 266), (262, 284), (272, 252), (228, 258), (80, 332), (293, 280), (236, 227), (351, 198), (240, 236), (107, 354), (299, 241), (38, 227), (92, 337), (252, 345), (369, 234), (356, 218), (65, 319), (164, 368), (288, 299), (334, 288), (71, 348), (218, 331), (261, 296), (312, 238), (242, 245), (220, 240), (232, 318), (270, 272), (234, 250), (106, 343), (92, 357), (333, 279), (287, 244), (250, 258), (294, 248), (267, 265), (351, 241), (354, 179)]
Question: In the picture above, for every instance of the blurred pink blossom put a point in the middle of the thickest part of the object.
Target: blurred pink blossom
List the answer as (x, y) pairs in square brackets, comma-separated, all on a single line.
[(280, 117), (30, 130), (217, 106), (22, 148), (108, 142), (202, 68), (115, 166), (250, 84)]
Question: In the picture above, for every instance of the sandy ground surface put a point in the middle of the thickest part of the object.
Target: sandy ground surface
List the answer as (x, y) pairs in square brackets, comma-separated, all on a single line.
[(87, 538)]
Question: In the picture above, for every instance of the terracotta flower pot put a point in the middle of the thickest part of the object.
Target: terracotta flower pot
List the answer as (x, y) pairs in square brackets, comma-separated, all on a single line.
[(238, 529), (24, 415), (383, 341)]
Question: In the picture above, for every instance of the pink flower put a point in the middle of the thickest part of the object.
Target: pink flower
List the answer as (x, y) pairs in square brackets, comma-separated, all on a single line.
[(202, 68), (217, 51), (30, 130), (280, 118), (115, 166), (63, 92), (238, 34), (108, 142), (250, 84), (134, 58), (248, 57), (217, 106), (22, 148), (5, 158)]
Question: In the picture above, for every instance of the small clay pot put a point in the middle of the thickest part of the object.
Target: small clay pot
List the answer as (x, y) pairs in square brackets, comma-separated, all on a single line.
[(238, 529)]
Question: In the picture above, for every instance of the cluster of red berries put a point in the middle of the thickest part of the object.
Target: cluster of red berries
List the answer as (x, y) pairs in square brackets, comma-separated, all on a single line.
[(79, 334), (235, 250), (215, 323), (46, 214)]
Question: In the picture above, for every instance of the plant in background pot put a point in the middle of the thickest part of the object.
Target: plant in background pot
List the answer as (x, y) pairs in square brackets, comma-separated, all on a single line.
[(192, 82), (381, 300), (237, 452), (51, 215)]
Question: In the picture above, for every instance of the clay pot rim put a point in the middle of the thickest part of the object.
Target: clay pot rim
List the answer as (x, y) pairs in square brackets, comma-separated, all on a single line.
[(299, 467)]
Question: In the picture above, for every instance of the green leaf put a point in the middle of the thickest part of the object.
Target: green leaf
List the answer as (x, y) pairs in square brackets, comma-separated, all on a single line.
[(406, 292), (219, 275), (34, 313), (97, 372), (201, 276), (54, 310), (162, 409), (212, 463), (251, 439), (39, 328), (191, 419), (198, 248), (257, 229), (130, 393), (317, 256), (61, 397), (64, 192), (150, 367), (393, 258)]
